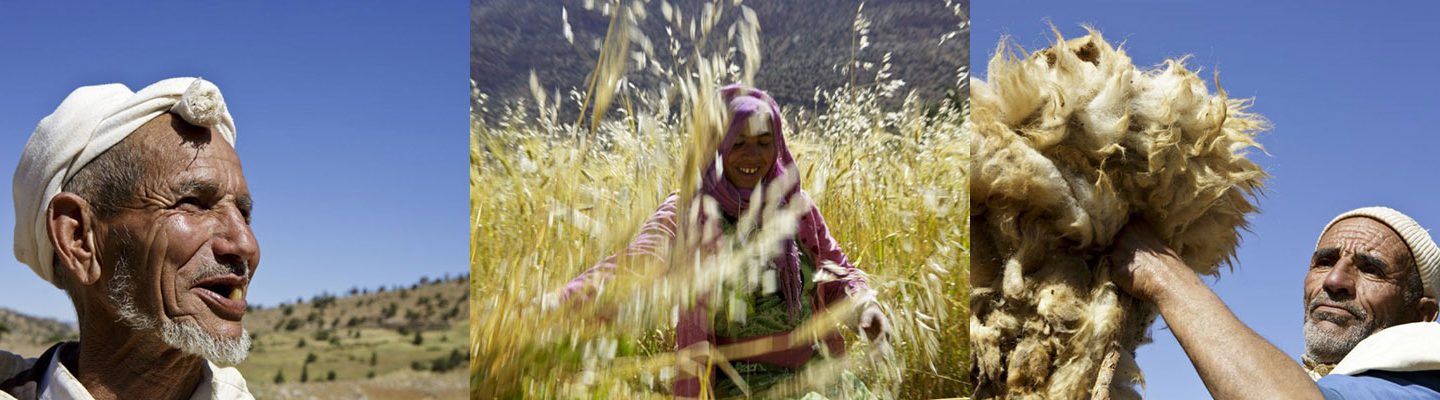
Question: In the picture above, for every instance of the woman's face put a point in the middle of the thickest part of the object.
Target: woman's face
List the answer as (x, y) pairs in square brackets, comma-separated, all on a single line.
[(751, 157)]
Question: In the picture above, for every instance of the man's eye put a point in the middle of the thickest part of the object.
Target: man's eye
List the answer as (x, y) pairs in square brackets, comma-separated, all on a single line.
[(189, 202)]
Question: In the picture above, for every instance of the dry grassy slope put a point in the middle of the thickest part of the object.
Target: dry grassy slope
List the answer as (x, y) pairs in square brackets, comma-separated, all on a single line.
[(406, 385), (800, 41), (443, 331), (29, 336), (438, 309)]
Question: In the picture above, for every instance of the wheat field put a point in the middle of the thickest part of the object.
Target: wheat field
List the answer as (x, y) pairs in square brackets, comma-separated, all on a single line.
[(551, 196)]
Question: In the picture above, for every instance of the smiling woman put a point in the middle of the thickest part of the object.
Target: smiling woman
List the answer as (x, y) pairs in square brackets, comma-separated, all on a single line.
[(753, 154), (758, 179)]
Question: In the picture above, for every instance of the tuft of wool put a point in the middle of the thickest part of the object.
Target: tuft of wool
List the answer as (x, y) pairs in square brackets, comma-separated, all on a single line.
[(1070, 143)]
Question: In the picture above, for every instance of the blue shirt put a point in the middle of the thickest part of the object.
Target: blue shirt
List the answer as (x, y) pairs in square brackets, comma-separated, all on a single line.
[(1382, 385)]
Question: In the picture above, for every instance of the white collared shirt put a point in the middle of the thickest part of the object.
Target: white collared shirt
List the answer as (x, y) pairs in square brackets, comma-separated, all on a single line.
[(219, 383), (1407, 347)]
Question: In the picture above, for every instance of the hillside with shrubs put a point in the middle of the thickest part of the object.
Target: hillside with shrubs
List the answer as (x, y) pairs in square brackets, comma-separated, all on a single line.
[(405, 341)]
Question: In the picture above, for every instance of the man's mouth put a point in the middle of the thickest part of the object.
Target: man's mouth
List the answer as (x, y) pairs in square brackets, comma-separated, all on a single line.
[(224, 294), (1334, 310)]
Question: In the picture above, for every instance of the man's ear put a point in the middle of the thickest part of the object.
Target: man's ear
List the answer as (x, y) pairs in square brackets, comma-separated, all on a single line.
[(72, 233), (1428, 308)]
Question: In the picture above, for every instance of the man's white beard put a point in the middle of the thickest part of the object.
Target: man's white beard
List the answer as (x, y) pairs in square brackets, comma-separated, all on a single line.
[(1327, 346), (187, 335)]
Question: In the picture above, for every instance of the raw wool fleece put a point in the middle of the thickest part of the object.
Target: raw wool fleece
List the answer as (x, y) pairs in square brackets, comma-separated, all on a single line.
[(1071, 143)]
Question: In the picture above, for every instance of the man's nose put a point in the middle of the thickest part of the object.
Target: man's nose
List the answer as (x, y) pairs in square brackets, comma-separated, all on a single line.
[(235, 242), (1340, 281)]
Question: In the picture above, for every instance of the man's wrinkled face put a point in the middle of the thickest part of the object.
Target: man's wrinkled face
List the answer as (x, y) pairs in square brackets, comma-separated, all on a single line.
[(753, 154), (1355, 287), (184, 240)]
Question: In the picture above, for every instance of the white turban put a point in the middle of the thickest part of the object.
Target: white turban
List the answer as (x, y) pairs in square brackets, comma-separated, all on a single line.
[(93, 119), (1427, 255)]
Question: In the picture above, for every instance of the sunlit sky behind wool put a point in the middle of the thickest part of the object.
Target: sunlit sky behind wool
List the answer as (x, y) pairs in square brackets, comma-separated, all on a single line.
[(1350, 89), (352, 125)]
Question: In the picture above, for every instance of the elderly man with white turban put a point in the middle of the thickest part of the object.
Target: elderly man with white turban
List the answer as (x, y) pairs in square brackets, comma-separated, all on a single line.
[(134, 204), (1370, 308)]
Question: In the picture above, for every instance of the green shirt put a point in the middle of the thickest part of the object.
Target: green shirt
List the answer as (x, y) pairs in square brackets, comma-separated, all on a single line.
[(763, 314)]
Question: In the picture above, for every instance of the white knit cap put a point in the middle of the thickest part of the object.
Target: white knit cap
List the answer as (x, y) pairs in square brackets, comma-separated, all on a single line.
[(1427, 255), (89, 121)]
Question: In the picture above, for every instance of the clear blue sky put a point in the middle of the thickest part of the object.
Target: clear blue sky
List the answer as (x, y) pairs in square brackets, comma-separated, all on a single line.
[(1351, 91), (352, 122)]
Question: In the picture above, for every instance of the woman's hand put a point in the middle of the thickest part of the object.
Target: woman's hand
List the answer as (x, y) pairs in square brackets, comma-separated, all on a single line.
[(873, 323), (875, 327)]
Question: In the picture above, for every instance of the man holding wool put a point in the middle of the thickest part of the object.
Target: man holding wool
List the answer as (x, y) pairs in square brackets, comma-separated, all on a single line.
[(1370, 309), (134, 204)]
